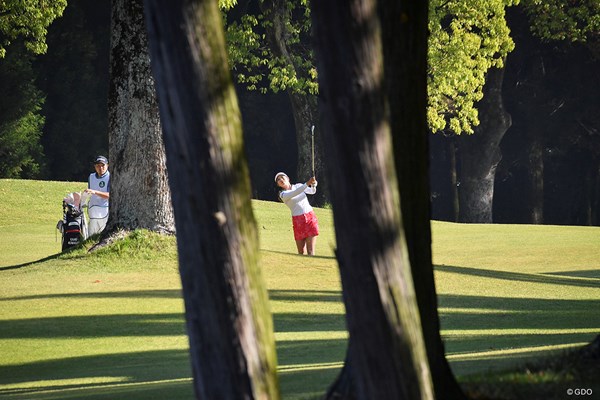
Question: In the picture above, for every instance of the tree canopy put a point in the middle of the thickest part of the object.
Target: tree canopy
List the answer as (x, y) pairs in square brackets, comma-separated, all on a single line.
[(28, 19), (254, 62), (466, 38), (575, 21)]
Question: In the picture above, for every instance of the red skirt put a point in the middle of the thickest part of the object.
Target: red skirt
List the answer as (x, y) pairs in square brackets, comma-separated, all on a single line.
[(305, 225)]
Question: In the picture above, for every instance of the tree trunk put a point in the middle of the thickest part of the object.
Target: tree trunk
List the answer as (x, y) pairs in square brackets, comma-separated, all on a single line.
[(386, 349), (227, 317), (536, 174), (304, 106), (480, 153), (536, 127), (405, 38), (453, 179), (140, 195)]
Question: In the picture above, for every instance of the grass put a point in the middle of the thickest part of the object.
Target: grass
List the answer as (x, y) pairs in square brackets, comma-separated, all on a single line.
[(109, 325)]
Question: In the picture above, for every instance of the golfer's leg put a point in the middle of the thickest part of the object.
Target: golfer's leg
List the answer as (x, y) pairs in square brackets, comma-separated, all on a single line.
[(310, 245), (301, 244)]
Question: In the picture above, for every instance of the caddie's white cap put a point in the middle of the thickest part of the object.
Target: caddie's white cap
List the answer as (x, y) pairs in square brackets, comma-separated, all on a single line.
[(277, 175)]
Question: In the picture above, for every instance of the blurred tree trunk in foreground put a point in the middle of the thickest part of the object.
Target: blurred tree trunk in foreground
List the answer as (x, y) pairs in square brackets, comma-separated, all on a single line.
[(140, 196), (228, 321), (386, 355), (405, 60)]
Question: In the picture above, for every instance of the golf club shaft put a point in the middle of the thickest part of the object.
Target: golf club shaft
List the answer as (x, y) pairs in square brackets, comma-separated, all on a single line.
[(312, 136)]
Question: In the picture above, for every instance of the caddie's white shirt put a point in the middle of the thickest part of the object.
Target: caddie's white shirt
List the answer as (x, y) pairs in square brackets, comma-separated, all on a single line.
[(296, 199), (98, 206)]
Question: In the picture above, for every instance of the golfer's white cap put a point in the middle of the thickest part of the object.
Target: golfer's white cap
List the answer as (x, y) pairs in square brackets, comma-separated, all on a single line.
[(277, 175), (101, 160)]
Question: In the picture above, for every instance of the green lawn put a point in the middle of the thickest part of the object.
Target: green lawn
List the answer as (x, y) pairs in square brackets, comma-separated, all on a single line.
[(110, 325)]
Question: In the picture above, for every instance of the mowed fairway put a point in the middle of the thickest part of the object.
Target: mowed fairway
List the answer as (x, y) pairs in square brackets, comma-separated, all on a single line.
[(110, 325)]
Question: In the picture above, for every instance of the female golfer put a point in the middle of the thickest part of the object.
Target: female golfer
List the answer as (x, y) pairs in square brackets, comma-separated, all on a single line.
[(304, 220)]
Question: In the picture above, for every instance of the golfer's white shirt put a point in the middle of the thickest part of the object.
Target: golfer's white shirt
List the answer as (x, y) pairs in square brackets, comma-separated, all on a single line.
[(98, 206), (296, 199)]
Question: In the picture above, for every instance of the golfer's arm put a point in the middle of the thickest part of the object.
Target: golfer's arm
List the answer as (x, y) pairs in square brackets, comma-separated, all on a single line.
[(288, 194), (310, 190)]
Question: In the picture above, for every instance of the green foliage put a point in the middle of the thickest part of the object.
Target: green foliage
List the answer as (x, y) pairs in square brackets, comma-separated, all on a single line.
[(466, 39), (29, 20), (20, 146), (253, 59), (20, 120), (574, 21)]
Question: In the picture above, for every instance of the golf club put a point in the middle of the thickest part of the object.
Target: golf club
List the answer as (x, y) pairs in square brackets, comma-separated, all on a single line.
[(312, 135)]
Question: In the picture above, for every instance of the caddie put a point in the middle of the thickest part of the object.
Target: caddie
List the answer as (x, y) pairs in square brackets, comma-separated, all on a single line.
[(99, 188)]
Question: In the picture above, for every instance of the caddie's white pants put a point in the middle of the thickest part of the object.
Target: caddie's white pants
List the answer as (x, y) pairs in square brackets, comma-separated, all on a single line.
[(96, 225)]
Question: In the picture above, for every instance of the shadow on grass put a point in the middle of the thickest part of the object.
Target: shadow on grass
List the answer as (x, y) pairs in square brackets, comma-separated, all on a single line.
[(310, 352), (27, 264), (520, 276), (480, 312), (490, 333), (287, 253), (521, 326), (292, 322), (166, 324), (590, 273), (115, 369), (94, 326), (306, 295), (310, 384), (159, 294), (308, 366), (159, 374)]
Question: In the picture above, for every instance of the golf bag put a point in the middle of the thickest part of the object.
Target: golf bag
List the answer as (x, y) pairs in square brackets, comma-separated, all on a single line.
[(73, 225)]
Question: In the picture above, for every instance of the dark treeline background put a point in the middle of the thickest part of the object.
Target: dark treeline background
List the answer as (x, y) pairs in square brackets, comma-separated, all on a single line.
[(550, 167)]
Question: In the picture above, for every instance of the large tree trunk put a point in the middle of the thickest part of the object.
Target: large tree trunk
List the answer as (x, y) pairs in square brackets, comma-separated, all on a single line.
[(228, 321), (140, 196), (304, 106), (480, 153), (387, 352), (536, 174), (405, 38)]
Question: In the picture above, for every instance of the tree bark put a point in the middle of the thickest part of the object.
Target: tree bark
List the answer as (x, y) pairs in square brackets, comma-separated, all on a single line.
[(453, 179), (536, 175), (227, 317), (405, 38), (536, 127), (480, 153), (304, 106), (140, 195), (387, 352)]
